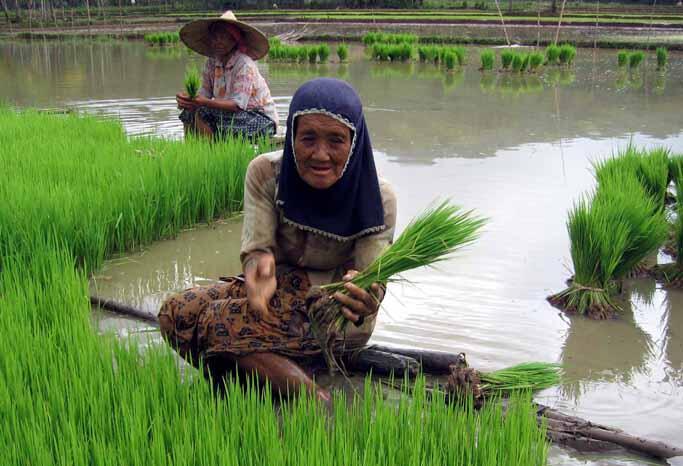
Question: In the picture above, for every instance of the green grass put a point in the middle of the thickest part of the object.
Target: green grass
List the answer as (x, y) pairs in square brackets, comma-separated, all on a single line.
[(76, 190), (192, 81), (662, 57), (488, 59)]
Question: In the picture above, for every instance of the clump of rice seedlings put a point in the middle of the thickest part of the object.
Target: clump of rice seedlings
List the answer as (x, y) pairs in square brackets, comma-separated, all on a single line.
[(650, 168), (430, 238), (635, 59), (662, 57), (610, 233), (488, 58), (312, 53), (371, 38), (518, 61), (323, 53), (622, 58), (552, 54), (525, 377), (535, 61), (567, 54), (342, 52), (192, 81), (162, 38), (525, 62), (393, 52), (449, 60), (506, 58), (300, 54), (461, 53)]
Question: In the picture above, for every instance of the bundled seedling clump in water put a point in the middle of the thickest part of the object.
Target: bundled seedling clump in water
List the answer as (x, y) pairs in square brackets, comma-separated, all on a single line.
[(430, 238), (342, 52), (610, 233), (552, 54), (622, 58), (506, 57), (488, 58), (635, 59), (662, 57), (567, 54)]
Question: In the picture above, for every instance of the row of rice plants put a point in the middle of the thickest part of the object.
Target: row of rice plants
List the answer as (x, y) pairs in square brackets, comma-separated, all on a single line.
[(520, 62), (76, 190), (162, 38), (449, 56), (560, 54), (394, 52), (371, 38), (634, 58), (672, 274), (300, 53), (614, 229)]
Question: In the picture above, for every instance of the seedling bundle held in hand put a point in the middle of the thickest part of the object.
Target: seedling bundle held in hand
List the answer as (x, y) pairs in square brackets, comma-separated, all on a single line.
[(430, 238)]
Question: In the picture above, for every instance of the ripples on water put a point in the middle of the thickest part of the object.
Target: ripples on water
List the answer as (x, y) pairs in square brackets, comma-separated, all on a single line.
[(518, 150)]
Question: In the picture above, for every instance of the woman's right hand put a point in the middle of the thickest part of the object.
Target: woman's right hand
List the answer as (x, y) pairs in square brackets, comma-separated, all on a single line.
[(184, 101), (259, 277)]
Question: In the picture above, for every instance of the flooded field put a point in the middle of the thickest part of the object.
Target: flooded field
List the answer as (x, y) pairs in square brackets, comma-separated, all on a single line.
[(516, 149)]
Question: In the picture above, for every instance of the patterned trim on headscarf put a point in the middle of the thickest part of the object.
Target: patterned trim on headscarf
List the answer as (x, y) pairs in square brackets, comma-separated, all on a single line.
[(339, 118), (326, 234)]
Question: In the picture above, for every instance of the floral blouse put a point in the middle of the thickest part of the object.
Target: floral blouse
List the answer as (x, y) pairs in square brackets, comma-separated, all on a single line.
[(239, 80)]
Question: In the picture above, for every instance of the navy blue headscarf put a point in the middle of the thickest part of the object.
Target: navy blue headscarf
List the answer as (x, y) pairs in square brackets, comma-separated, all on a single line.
[(352, 207)]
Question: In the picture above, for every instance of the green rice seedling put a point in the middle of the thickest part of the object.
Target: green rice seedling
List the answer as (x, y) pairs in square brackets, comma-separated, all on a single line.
[(371, 38), (192, 81), (552, 54), (525, 62), (342, 52), (422, 53), (488, 58), (635, 59), (622, 58), (312, 54), (506, 58), (567, 54), (610, 233), (518, 60), (301, 54), (461, 53), (650, 168), (323, 53), (431, 237), (535, 61), (274, 42), (662, 57), (449, 60)]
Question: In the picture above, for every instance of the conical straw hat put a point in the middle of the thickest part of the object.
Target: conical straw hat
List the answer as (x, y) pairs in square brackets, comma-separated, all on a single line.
[(196, 36)]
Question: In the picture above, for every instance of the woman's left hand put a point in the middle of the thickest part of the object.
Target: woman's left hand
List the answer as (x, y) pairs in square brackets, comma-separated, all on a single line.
[(358, 303), (185, 102)]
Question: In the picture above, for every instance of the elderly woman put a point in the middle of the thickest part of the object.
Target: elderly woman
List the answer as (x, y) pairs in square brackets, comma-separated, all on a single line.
[(314, 213), (234, 99)]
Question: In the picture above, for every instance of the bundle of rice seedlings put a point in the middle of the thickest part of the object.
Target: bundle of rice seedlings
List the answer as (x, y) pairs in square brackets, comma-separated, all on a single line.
[(525, 377), (342, 52), (651, 168), (506, 58), (461, 53), (609, 235), (323, 53), (622, 58), (567, 54), (525, 62), (488, 58), (192, 81), (662, 57), (635, 59), (535, 61), (431, 237), (449, 60), (552, 54), (312, 54), (517, 62)]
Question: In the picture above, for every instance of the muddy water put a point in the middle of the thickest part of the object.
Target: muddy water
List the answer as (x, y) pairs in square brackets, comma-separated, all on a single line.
[(517, 150)]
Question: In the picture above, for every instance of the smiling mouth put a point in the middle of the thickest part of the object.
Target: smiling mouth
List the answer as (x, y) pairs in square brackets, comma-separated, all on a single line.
[(321, 170)]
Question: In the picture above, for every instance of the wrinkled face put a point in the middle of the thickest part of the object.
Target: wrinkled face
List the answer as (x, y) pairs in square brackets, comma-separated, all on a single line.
[(322, 146), (222, 42)]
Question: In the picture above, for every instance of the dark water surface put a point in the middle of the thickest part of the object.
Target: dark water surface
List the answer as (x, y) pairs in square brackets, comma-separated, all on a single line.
[(518, 150)]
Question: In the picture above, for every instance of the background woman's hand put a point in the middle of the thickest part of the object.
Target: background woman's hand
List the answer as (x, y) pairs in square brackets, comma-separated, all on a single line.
[(260, 281), (358, 303), (184, 101)]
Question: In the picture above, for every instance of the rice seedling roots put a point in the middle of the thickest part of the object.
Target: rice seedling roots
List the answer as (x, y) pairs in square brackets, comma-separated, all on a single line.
[(599, 306), (465, 381), (671, 275)]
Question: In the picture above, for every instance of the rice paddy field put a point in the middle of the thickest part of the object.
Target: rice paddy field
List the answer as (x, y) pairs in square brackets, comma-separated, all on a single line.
[(517, 147)]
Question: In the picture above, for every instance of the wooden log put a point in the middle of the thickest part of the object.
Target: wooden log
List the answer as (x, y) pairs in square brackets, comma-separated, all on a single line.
[(383, 363), (124, 309), (433, 362), (573, 430)]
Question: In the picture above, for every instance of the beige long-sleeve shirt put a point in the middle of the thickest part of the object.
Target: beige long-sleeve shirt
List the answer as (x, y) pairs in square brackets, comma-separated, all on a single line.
[(325, 259)]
